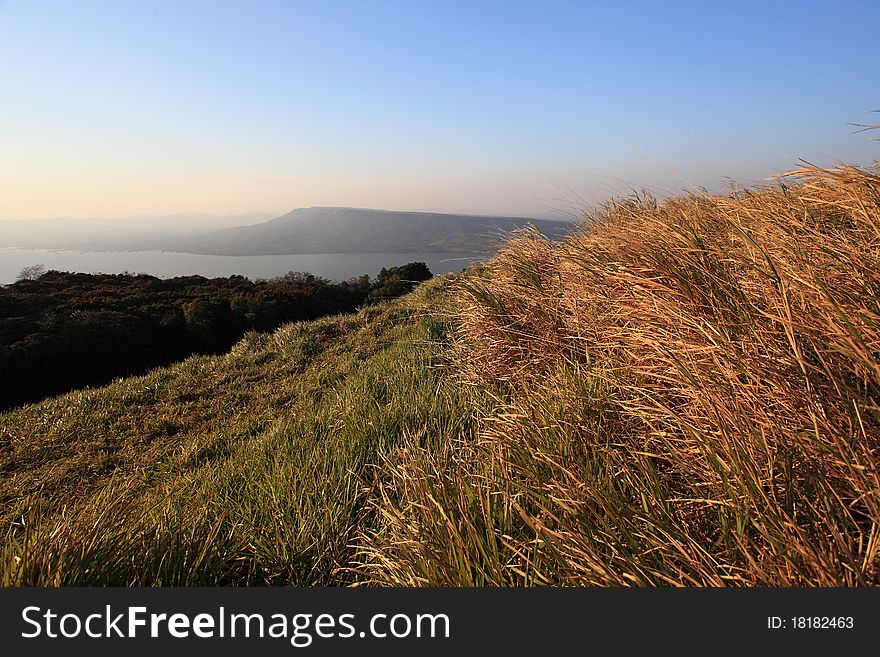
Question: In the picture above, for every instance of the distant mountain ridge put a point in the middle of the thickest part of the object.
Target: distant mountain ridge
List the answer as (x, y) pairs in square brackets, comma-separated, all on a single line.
[(360, 230)]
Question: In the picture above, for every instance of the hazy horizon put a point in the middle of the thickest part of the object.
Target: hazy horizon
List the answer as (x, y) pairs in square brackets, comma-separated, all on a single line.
[(162, 108), (245, 218)]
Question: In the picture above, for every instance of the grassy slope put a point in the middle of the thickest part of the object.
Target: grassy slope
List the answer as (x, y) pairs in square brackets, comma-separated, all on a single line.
[(685, 394), (246, 468), (688, 395)]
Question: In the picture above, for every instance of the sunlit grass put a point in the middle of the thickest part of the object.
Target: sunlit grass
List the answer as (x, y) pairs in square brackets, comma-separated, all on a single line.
[(251, 468), (685, 393)]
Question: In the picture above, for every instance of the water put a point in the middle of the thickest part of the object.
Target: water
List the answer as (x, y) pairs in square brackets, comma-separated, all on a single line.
[(165, 264)]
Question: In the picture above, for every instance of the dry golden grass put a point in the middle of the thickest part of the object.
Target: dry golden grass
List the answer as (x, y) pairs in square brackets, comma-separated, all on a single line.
[(686, 393)]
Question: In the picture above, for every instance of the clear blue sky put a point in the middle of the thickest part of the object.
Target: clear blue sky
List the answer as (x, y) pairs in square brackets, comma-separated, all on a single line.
[(116, 108)]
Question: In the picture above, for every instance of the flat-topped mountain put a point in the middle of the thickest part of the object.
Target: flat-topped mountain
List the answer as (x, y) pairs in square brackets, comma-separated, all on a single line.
[(354, 230)]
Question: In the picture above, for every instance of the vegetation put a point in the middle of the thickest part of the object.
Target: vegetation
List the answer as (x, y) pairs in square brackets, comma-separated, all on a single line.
[(60, 331), (685, 393), (248, 468)]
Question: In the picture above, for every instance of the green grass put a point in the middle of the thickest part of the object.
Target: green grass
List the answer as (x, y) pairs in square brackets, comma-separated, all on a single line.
[(248, 468)]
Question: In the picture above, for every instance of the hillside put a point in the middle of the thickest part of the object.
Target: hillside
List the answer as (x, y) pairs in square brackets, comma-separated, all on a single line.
[(246, 468), (354, 230), (60, 331), (686, 394), (683, 394)]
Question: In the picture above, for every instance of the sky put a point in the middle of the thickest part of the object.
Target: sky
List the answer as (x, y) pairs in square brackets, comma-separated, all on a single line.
[(520, 108)]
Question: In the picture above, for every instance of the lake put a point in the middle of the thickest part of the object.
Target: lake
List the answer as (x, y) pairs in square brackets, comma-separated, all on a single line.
[(166, 264)]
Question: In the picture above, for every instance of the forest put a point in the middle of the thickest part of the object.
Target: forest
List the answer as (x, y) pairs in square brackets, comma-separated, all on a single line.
[(60, 331)]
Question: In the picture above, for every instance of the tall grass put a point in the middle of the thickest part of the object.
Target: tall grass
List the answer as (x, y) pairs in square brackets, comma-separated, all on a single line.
[(684, 394), (259, 465)]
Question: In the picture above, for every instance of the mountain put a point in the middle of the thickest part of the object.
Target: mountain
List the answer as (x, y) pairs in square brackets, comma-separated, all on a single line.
[(354, 230)]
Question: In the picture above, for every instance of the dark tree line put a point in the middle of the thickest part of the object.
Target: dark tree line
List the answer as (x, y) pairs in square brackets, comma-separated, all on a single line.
[(60, 331)]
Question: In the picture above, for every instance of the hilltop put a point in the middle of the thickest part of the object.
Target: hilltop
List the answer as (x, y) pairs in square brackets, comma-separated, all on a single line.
[(682, 393)]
